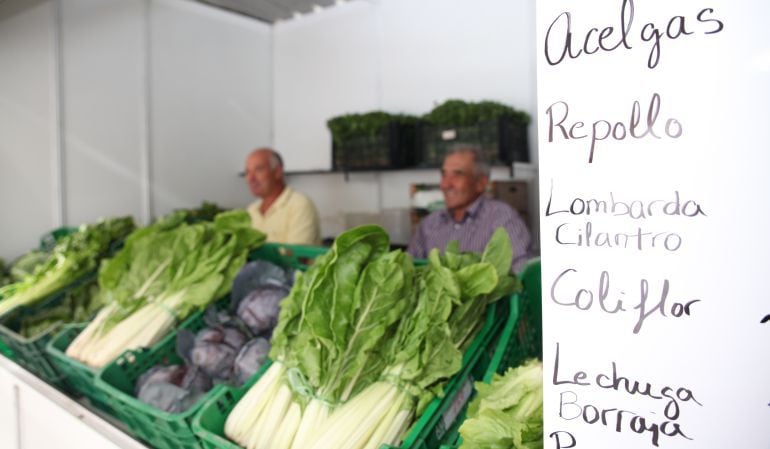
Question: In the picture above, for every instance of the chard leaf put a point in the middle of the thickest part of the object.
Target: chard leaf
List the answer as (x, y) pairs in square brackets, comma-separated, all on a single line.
[(316, 317), (423, 335), (477, 279), (378, 302), (499, 251)]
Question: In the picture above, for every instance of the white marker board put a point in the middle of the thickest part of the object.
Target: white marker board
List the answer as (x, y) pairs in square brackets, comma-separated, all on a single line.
[(654, 140)]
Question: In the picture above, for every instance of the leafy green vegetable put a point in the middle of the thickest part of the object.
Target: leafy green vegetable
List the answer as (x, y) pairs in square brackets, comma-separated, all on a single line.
[(461, 113), (365, 340), (368, 125), (5, 276), (335, 315), (508, 412), (73, 257), (205, 212), (164, 272), (450, 296), (79, 305), (25, 265)]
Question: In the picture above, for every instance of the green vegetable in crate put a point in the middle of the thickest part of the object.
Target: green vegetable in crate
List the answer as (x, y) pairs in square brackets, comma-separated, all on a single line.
[(336, 312), (508, 412), (164, 272), (25, 265), (462, 113), (364, 341), (452, 293), (345, 128), (5, 276), (79, 305), (73, 257), (205, 212)]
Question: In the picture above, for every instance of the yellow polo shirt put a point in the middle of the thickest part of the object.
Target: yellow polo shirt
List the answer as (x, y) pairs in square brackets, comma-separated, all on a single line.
[(292, 218)]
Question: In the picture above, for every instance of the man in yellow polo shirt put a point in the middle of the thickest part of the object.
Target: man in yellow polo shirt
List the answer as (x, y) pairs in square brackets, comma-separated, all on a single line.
[(286, 216)]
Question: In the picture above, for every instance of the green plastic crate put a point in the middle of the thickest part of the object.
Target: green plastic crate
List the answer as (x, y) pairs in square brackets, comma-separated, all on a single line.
[(82, 379), (520, 339), (31, 353), (6, 351), (116, 381), (429, 429), (49, 239), (79, 377)]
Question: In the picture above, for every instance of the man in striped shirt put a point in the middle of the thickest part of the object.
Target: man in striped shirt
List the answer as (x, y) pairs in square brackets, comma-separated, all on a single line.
[(469, 217)]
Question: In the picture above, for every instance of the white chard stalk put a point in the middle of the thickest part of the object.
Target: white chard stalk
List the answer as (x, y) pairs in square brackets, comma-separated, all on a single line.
[(378, 437), (352, 425), (250, 408), (400, 425), (143, 328), (263, 433), (86, 337), (313, 418), (287, 428)]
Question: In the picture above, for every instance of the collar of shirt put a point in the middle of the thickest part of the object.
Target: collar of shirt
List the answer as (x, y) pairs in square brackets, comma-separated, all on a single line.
[(471, 212), (279, 202)]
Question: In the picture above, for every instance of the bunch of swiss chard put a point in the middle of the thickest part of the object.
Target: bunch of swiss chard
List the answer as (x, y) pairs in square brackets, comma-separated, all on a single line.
[(229, 350), (365, 340), (163, 273), (73, 257)]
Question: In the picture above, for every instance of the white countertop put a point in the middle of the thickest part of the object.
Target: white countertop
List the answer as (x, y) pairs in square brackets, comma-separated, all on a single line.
[(35, 415)]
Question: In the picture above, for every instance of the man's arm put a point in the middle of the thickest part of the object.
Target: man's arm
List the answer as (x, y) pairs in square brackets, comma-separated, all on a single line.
[(417, 244)]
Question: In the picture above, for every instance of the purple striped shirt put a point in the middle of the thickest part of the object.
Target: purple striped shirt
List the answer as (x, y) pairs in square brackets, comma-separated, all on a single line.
[(473, 231)]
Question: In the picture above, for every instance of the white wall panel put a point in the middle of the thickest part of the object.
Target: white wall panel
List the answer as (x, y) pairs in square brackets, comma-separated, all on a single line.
[(211, 102), (28, 176), (104, 96), (433, 50), (325, 65)]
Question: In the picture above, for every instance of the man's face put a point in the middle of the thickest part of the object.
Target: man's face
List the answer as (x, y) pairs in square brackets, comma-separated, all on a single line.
[(460, 185), (262, 180)]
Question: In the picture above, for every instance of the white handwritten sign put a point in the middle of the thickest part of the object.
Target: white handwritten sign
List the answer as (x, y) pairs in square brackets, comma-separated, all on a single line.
[(654, 140)]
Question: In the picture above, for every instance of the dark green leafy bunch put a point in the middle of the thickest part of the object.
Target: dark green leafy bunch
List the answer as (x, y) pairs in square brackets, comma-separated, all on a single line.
[(368, 125), (205, 212), (5, 276), (73, 257), (79, 305), (461, 113)]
